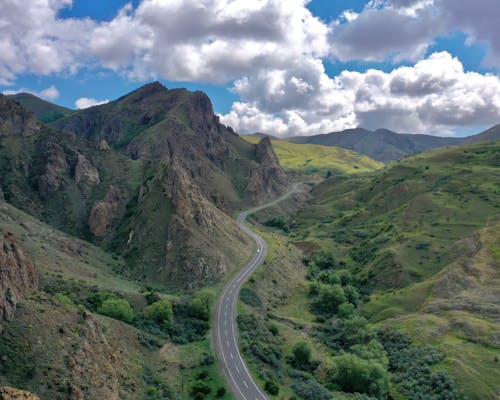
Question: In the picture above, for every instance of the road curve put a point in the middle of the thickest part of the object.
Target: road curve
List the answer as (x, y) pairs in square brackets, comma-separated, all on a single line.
[(225, 333)]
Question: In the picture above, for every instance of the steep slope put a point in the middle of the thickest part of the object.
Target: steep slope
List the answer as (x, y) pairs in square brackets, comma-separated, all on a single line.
[(489, 134), (45, 111), (15, 120), (156, 123), (317, 159), (381, 145), (162, 215), (421, 239)]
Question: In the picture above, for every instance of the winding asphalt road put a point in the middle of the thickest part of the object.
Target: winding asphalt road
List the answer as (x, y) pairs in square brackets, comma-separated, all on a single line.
[(225, 332)]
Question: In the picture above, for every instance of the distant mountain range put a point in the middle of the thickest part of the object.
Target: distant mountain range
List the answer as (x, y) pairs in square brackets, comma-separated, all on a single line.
[(385, 145)]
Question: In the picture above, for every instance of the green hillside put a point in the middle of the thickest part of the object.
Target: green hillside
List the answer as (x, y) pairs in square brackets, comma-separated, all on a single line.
[(421, 238), (45, 111), (317, 159), (63, 339)]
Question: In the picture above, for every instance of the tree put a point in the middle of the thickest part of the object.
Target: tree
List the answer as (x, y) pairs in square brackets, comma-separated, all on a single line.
[(324, 259), (329, 299), (302, 354), (355, 375), (200, 306), (118, 309), (160, 312)]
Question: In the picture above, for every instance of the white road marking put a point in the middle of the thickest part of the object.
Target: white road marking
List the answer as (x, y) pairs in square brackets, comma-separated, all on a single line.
[(245, 383)]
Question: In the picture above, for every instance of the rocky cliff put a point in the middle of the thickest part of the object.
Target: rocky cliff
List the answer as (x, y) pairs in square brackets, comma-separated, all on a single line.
[(15, 120), (9, 393), (18, 278), (268, 179)]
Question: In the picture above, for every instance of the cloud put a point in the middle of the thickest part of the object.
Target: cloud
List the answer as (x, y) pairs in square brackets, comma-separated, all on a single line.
[(434, 96), (50, 93), (209, 40), (85, 102), (403, 30), (33, 39)]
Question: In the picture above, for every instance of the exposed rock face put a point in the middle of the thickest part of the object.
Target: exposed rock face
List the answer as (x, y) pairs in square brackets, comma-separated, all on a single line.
[(15, 120), (103, 146), (8, 393), (56, 168), (18, 278), (268, 179), (92, 371), (104, 212), (85, 172)]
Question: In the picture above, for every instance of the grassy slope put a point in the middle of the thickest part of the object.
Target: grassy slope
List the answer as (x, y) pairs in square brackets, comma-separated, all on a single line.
[(317, 159), (72, 266), (44, 110), (424, 233)]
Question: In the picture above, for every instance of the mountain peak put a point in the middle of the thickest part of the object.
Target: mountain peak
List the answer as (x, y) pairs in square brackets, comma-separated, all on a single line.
[(16, 120)]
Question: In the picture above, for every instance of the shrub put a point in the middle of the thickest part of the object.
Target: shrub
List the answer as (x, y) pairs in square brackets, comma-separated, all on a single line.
[(302, 354), (62, 298), (272, 388), (356, 375), (329, 299), (279, 222), (118, 309), (200, 306), (324, 259), (159, 311), (221, 392)]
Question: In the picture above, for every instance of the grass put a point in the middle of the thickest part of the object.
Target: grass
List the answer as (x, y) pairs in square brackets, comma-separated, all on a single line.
[(316, 159), (423, 234)]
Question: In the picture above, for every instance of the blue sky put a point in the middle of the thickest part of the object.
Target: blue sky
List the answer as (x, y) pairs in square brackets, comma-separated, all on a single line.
[(281, 66)]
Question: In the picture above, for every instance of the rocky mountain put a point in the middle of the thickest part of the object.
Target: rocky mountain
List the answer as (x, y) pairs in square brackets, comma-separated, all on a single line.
[(489, 134), (45, 111), (15, 120), (18, 278), (381, 145), (153, 176)]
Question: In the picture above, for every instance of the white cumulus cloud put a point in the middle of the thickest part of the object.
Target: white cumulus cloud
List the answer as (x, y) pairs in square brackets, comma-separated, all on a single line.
[(433, 96), (86, 102)]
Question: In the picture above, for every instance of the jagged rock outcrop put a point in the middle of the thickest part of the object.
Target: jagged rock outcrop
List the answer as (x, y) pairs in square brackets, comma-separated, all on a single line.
[(104, 212), (55, 168), (18, 278), (92, 364), (103, 146), (268, 179), (15, 120), (85, 172), (9, 393)]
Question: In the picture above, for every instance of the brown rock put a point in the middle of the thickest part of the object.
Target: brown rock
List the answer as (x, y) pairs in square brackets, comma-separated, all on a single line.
[(92, 372), (18, 278), (268, 179), (103, 146), (104, 212), (8, 393), (85, 172), (15, 120), (56, 167)]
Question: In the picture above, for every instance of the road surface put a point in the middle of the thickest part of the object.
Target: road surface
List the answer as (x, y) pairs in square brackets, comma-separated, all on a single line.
[(236, 372)]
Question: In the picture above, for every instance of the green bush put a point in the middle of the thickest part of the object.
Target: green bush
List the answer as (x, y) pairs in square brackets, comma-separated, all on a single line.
[(302, 355), (324, 259), (329, 299), (118, 309), (200, 305), (160, 312), (279, 222), (355, 375), (272, 388)]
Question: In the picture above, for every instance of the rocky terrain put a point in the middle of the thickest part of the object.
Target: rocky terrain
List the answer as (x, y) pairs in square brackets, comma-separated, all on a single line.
[(153, 155)]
